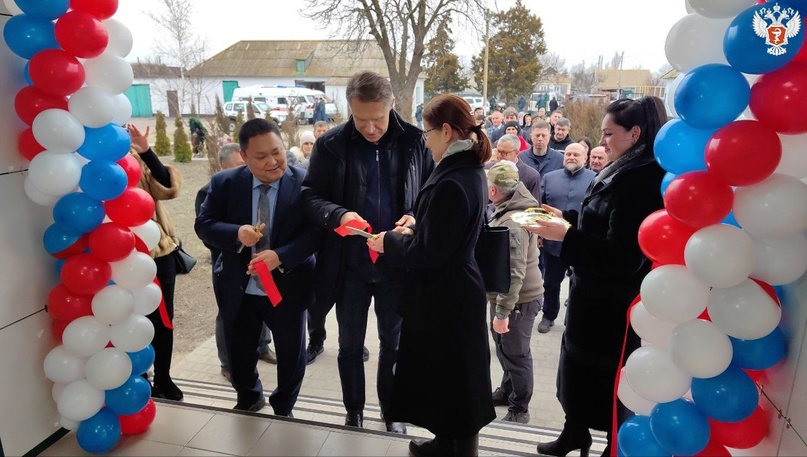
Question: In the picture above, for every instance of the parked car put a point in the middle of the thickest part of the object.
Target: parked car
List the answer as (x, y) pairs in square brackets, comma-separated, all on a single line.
[(476, 101), (231, 109)]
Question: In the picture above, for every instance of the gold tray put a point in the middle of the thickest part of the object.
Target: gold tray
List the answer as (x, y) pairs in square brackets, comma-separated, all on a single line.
[(531, 216)]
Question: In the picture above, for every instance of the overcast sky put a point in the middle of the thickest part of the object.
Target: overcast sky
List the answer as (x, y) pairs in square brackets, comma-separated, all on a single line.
[(575, 29)]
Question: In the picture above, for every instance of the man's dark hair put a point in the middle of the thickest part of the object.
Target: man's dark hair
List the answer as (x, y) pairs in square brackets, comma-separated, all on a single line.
[(253, 128)]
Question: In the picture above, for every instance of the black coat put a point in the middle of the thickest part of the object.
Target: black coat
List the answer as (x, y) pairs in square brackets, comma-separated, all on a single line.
[(442, 377), (608, 270), (335, 184)]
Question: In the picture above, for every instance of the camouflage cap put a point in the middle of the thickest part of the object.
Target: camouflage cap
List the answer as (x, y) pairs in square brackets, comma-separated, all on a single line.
[(503, 174)]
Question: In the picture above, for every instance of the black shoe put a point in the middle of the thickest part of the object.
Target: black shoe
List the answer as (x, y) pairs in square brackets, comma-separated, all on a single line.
[(396, 427), (520, 418), (500, 398), (445, 446), (545, 325), (254, 407), (165, 388), (354, 420), (573, 437), (269, 356), (312, 352), (365, 354)]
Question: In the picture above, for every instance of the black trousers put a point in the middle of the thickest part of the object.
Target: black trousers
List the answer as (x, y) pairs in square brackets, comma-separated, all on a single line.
[(316, 316), (163, 341), (553, 277), (287, 323)]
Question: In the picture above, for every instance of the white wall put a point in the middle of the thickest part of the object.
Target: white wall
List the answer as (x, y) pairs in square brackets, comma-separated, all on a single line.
[(27, 411)]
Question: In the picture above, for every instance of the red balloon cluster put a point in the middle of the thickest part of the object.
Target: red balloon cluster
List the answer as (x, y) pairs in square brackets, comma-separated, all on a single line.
[(743, 153), (663, 239), (778, 98), (99, 9), (27, 144), (132, 208), (697, 199), (56, 72), (31, 101), (81, 34), (111, 242)]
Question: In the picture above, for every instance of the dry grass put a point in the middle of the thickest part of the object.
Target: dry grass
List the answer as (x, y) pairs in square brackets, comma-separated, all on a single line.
[(586, 117)]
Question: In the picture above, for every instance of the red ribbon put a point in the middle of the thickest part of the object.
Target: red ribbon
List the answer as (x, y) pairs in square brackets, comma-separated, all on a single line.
[(268, 283), (614, 418), (357, 224), (163, 310)]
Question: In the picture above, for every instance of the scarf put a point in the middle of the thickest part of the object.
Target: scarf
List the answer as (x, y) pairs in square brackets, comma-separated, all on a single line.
[(614, 167), (458, 146)]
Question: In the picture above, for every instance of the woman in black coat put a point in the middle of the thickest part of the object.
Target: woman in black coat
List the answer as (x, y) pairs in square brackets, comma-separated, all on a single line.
[(608, 265), (442, 376)]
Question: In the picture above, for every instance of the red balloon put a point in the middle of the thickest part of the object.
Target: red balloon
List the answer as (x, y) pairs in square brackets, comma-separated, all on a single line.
[(65, 305), (100, 9), (802, 55), (111, 242), (140, 421), (744, 434), (778, 97), (663, 239), (140, 245), (76, 248), (86, 274), (759, 376), (31, 101), (56, 72), (134, 207), (738, 144), (697, 199), (81, 34), (713, 449), (57, 328), (28, 145), (705, 315), (768, 290), (132, 168)]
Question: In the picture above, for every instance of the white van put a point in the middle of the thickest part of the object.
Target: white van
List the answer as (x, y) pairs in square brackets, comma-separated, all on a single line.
[(300, 99), (260, 109)]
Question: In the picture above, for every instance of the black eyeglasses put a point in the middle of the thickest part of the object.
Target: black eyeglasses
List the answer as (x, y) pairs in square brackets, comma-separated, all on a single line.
[(425, 133)]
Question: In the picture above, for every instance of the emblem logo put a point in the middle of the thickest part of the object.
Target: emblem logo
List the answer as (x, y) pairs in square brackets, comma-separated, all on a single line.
[(776, 33)]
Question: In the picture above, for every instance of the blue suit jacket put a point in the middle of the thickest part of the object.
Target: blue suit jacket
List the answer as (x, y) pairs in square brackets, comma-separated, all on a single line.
[(294, 238)]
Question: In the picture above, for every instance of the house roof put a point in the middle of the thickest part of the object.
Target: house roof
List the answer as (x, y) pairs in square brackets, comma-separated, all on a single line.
[(672, 74), (144, 70), (615, 79), (323, 58)]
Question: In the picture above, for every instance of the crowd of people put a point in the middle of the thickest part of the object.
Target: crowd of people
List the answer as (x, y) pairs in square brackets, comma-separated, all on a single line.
[(377, 210)]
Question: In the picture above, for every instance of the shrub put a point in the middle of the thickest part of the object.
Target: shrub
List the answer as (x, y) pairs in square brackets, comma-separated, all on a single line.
[(182, 147), (163, 145), (239, 121)]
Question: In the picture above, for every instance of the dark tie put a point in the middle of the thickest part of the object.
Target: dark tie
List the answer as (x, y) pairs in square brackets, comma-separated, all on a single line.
[(264, 208)]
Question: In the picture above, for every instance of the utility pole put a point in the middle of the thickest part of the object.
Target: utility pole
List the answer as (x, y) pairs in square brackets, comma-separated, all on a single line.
[(619, 80), (485, 66)]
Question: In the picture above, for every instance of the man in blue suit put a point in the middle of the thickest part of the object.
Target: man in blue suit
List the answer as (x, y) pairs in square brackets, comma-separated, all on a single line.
[(253, 214)]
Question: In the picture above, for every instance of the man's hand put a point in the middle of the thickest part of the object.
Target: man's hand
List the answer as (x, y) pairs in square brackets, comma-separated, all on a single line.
[(140, 142), (404, 230), (500, 325), (269, 257), (350, 216), (248, 235), (405, 221), (376, 243)]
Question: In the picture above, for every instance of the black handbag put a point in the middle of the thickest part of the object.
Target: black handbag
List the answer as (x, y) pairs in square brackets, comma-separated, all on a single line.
[(184, 261), (493, 257)]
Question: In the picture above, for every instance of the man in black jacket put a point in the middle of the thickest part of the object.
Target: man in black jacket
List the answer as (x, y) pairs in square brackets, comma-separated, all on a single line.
[(368, 170)]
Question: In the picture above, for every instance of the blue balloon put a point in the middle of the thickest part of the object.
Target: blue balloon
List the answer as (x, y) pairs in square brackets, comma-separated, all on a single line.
[(665, 182), (730, 396), (27, 74), (110, 142), (759, 354), (47, 9), (100, 433), (711, 96), (680, 427), (749, 52), (78, 213), (636, 439), (26, 35), (679, 147), (56, 239), (731, 220), (103, 179), (129, 398), (142, 360)]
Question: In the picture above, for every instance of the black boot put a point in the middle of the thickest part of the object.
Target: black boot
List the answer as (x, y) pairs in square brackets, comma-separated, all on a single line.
[(162, 384), (443, 446), (573, 437)]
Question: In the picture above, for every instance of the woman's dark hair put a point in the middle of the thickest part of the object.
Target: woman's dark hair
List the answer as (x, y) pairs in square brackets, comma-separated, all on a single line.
[(587, 141), (524, 120), (456, 112), (647, 112)]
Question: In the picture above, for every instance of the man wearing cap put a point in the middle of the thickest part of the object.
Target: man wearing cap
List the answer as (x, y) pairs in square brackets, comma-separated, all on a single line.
[(513, 313)]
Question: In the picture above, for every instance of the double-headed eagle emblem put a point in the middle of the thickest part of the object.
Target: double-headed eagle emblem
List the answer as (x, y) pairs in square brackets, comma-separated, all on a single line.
[(776, 33)]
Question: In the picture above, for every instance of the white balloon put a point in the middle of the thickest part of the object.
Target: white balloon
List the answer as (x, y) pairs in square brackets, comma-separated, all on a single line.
[(110, 73), (794, 156), (747, 114), (57, 130), (700, 348), (744, 311), (688, 7), (113, 304), (92, 107), (12, 7), (720, 9), (123, 109), (149, 233), (631, 399), (147, 299), (56, 390), (654, 376), (36, 195), (109, 369), (135, 271), (54, 173), (68, 424), (669, 97), (134, 334), (649, 328), (63, 367), (120, 38), (85, 336), (80, 401), (780, 260), (776, 206), (672, 293), (720, 255), (694, 41)]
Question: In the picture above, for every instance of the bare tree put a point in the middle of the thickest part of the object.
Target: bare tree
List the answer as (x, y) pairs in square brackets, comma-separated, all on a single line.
[(585, 78), (655, 78), (399, 27), (552, 64)]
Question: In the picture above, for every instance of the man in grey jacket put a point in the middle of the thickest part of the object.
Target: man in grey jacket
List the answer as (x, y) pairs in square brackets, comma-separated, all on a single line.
[(513, 313)]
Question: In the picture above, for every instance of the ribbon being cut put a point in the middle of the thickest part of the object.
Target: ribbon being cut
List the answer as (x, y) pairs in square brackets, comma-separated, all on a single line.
[(354, 226)]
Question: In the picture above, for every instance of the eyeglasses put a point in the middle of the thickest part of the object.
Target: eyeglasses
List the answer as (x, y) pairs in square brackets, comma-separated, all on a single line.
[(426, 132)]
